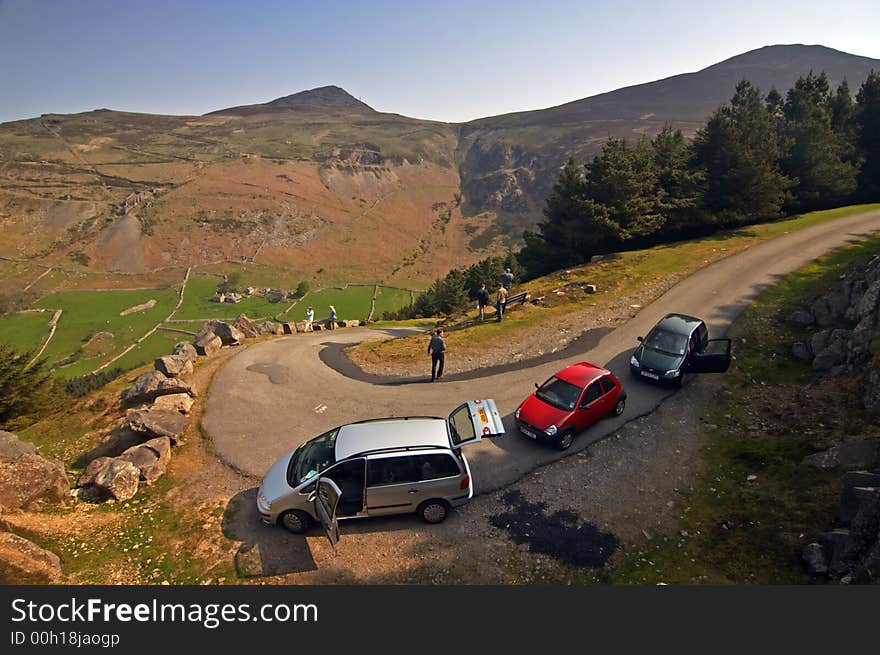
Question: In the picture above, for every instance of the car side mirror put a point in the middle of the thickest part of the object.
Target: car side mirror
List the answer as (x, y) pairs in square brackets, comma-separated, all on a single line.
[(640, 338), (537, 386)]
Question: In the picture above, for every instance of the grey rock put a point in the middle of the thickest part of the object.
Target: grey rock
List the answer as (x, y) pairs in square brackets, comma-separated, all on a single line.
[(801, 350), (186, 350), (13, 449), (814, 557), (801, 317), (157, 423), (270, 328), (864, 453), (173, 365), (244, 325), (30, 481), (821, 311), (829, 357), (841, 549), (207, 344), (24, 563), (149, 386), (178, 402), (838, 303), (118, 478), (819, 341), (151, 458), (870, 301), (229, 335)]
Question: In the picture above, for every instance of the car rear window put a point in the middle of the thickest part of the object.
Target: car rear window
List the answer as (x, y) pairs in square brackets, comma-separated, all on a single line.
[(410, 468)]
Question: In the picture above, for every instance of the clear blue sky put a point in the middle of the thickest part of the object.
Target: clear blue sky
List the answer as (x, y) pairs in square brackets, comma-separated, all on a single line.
[(452, 60)]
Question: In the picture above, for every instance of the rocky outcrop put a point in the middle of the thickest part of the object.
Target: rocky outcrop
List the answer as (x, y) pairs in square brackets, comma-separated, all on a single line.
[(847, 338), (151, 458), (113, 477), (173, 365), (185, 350), (27, 480), (229, 335), (207, 343), (270, 328), (156, 422), (23, 562), (149, 386), (862, 453), (177, 402), (247, 327)]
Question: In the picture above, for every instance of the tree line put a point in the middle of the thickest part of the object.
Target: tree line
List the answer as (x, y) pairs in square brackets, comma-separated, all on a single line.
[(754, 160)]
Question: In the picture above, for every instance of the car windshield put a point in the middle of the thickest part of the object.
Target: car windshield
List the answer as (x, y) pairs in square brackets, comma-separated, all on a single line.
[(313, 457), (559, 393), (666, 341)]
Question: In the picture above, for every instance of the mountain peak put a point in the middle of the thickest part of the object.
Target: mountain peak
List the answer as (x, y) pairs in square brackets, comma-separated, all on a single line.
[(321, 98)]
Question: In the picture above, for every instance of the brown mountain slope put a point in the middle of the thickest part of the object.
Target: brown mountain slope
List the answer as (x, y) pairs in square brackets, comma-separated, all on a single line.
[(510, 162), (320, 180)]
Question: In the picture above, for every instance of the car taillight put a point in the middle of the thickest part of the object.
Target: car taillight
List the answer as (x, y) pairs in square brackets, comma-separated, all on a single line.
[(465, 482)]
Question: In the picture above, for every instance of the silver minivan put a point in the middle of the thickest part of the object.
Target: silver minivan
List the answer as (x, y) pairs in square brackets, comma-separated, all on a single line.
[(378, 467)]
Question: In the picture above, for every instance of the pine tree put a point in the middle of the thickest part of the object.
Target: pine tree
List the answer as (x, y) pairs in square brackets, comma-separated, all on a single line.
[(817, 155), (867, 119), (678, 185), (25, 391), (738, 153)]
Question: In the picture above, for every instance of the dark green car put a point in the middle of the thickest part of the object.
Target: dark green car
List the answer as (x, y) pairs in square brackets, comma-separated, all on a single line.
[(677, 345)]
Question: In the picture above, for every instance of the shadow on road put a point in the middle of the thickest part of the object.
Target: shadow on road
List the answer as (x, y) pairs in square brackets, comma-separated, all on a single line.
[(265, 549)]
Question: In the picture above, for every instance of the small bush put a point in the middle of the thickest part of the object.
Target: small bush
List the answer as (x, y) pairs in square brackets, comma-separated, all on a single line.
[(85, 384)]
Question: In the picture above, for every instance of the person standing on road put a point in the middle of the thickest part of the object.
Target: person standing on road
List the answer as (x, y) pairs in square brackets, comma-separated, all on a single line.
[(500, 302), (310, 317), (437, 350), (482, 300), (332, 323)]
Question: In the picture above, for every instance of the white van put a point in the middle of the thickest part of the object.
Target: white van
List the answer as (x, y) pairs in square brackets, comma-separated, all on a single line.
[(378, 467)]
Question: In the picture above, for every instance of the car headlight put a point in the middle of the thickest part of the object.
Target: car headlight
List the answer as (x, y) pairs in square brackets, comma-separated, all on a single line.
[(634, 362), (516, 414), (551, 430), (672, 374), (262, 500)]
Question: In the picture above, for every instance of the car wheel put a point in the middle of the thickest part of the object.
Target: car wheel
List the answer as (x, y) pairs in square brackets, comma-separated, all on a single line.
[(564, 440), (433, 511), (619, 407), (295, 521)]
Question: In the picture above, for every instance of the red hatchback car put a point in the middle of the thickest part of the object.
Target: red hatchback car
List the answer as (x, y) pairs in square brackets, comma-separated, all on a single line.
[(569, 402)]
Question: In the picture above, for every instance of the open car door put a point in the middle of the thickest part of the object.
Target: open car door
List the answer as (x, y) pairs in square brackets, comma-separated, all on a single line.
[(475, 419), (326, 499), (715, 358)]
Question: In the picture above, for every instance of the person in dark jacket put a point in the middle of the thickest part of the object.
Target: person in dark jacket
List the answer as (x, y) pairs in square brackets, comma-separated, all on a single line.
[(437, 350), (482, 300)]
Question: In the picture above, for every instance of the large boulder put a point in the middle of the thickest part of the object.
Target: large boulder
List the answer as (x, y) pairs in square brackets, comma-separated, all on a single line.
[(173, 365), (229, 335), (270, 327), (87, 477), (186, 350), (819, 341), (178, 402), (864, 453), (801, 317), (151, 458), (117, 478), (26, 479), (149, 386), (801, 350), (244, 325), (830, 357), (156, 422), (207, 343), (23, 562)]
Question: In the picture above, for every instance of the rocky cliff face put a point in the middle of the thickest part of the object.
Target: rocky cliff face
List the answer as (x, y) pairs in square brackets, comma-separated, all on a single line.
[(846, 341), (846, 337)]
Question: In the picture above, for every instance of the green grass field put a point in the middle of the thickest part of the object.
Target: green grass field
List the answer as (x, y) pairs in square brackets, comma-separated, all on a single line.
[(390, 300), (353, 302), (86, 313), (156, 345), (24, 332), (197, 301)]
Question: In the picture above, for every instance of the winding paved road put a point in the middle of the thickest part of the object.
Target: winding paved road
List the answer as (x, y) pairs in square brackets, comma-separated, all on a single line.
[(275, 395)]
